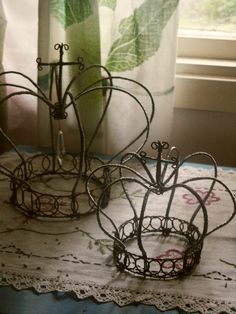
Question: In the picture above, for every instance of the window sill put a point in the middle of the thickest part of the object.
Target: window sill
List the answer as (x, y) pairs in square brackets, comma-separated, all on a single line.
[(204, 83), (198, 45)]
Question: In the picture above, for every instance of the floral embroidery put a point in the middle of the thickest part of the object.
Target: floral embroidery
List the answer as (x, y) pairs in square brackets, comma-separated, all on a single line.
[(175, 256), (192, 200)]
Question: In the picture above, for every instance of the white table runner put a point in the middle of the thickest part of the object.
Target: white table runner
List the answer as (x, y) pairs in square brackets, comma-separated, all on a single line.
[(76, 255)]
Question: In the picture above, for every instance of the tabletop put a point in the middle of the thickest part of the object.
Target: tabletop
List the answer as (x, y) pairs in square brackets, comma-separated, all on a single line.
[(76, 256)]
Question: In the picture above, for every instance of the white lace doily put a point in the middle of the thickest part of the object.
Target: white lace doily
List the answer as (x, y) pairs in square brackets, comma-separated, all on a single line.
[(77, 256)]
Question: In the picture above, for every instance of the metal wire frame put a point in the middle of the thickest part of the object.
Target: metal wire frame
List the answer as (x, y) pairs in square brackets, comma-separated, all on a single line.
[(143, 224), (24, 195)]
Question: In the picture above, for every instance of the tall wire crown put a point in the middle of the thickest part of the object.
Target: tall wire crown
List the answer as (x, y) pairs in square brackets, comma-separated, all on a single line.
[(52, 184)]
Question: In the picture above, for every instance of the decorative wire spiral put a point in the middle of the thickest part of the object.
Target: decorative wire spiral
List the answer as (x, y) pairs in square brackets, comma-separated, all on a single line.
[(165, 179), (38, 202)]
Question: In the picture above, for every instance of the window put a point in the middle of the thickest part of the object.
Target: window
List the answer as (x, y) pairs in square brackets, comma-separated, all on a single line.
[(206, 63)]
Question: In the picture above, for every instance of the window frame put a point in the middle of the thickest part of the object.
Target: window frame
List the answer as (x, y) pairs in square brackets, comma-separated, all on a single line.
[(206, 71)]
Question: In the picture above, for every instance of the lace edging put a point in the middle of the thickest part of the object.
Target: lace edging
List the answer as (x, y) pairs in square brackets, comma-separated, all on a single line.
[(103, 293)]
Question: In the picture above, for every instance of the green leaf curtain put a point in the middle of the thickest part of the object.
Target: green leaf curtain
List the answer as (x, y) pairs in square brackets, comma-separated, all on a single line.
[(134, 39), (140, 35)]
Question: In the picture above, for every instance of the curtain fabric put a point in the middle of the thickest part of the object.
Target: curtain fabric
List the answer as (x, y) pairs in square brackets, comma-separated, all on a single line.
[(19, 54), (2, 33), (76, 24), (139, 41), (133, 39)]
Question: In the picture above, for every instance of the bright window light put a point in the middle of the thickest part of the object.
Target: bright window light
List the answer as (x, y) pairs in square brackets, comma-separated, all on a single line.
[(208, 16)]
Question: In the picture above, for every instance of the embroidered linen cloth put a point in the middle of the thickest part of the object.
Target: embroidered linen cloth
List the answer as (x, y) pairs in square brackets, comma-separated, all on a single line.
[(77, 256)]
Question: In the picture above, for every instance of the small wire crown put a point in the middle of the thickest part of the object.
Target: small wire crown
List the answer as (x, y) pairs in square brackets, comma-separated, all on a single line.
[(52, 184), (159, 238)]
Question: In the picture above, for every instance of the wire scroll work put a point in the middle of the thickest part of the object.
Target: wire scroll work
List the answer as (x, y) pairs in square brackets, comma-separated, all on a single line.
[(59, 184), (155, 241), (52, 184)]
